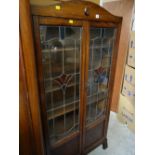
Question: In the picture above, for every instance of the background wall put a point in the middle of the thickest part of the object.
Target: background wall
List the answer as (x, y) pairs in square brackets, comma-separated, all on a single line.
[(123, 8)]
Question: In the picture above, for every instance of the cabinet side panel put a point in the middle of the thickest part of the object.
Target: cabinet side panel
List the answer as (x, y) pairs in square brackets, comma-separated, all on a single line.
[(25, 127), (30, 74)]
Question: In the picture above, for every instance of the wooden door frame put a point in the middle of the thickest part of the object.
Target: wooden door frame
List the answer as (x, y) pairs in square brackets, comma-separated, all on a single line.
[(52, 21), (26, 42), (84, 67), (115, 53)]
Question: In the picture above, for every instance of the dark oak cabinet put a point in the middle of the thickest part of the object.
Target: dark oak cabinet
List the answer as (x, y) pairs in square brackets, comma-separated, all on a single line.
[(75, 46)]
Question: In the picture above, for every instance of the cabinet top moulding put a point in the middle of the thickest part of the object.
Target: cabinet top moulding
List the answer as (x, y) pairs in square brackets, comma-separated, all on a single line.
[(74, 9)]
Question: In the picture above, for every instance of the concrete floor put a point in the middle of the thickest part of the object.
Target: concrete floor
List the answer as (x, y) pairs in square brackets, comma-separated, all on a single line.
[(121, 141)]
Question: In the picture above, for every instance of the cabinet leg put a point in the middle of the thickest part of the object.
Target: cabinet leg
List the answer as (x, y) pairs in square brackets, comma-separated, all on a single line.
[(105, 144)]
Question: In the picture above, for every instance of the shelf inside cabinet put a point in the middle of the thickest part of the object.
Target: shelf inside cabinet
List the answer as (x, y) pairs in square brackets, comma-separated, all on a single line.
[(60, 128), (57, 70), (57, 88), (71, 49), (106, 68), (96, 109), (56, 112), (60, 49), (98, 47)]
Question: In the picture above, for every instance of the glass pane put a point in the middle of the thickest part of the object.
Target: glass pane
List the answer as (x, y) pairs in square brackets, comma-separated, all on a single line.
[(61, 51), (101, 46)]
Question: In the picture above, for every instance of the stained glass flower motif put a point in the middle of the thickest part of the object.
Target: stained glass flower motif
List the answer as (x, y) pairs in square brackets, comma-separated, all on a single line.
[(64, 80), (100, 75)]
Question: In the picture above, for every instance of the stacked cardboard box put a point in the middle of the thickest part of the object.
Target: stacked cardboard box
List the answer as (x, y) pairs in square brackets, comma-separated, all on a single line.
[(131, 53), (126, 110), (128, 89)]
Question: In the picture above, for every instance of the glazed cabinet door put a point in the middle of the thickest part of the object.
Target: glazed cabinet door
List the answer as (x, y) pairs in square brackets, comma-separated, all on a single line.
[(101, 42), (59, 66)]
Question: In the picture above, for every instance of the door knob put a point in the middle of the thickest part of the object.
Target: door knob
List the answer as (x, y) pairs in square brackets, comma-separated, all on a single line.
[(86, 11)]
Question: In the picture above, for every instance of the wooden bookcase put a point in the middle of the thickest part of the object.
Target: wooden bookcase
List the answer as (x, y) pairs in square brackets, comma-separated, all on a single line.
[(76, 48)]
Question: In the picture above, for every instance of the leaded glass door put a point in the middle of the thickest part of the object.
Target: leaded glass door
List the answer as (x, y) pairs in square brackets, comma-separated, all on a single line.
[(61, 61), (100, 57)]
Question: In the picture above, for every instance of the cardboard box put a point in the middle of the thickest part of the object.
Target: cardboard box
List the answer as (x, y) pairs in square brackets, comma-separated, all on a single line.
[(129, 91), (131, 57), (132, 40), (129, 75), (126, 113), (133, 22)]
